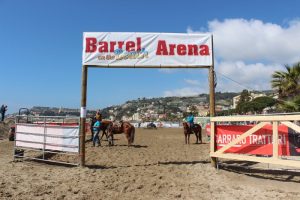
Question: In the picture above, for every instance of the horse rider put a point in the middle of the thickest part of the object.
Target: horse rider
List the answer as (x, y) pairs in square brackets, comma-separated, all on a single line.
[(190, 120)]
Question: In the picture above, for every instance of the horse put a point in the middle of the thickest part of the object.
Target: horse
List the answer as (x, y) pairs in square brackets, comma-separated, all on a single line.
[(103, 128), (121, 127), (196, 129)]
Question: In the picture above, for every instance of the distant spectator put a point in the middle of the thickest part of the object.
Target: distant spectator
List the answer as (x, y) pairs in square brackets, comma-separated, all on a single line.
[(3, 110)]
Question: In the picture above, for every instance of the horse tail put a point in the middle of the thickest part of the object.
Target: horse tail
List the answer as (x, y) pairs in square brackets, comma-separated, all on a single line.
[(132, 134)]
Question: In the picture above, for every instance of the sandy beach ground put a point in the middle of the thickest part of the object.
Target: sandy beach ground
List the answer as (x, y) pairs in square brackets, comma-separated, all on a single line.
[(158, 166)]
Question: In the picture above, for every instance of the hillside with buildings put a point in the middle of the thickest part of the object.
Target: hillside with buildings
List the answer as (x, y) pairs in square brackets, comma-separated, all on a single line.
[(154, 109)]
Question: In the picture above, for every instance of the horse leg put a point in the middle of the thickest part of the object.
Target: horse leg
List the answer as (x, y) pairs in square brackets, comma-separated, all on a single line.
[(188, 138), (128, 139), (200, 136), (103, 132)]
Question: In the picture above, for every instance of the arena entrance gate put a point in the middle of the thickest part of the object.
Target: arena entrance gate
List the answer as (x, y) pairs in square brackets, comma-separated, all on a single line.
[(144, 50)]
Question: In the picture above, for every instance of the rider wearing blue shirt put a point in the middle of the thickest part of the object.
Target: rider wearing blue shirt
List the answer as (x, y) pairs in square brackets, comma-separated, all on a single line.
[(190, 120)]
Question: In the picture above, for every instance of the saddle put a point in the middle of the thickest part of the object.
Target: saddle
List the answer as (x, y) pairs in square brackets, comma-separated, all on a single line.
[(190, 128)]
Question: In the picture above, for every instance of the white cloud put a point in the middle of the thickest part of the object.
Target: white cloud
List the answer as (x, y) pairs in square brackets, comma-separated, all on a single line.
[(249, 51), (192, 82), (244, 76), (256, 41)]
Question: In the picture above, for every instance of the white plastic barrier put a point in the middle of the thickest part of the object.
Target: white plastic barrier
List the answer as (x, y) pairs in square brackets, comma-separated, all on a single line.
[(49, 137)]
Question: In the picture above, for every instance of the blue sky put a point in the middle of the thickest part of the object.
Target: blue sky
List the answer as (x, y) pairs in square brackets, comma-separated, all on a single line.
[(41, 48)]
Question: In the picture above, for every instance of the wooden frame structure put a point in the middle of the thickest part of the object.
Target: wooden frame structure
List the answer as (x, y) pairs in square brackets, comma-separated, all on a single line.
[(84, 95), (212, 86), (261, 122)]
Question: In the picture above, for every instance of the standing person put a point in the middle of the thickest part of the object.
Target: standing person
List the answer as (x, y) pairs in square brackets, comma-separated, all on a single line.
[(96, 130), (190, 120), (98, 115), (3, 110)]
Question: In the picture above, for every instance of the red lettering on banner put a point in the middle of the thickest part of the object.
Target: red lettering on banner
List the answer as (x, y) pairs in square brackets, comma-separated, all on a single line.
[(181, 49), (103, 47), (192, 49), (204, 50), (130, 46), (172, 47), (90, 45), (120, 44), (112, 45), (138, 42), (162, 48)]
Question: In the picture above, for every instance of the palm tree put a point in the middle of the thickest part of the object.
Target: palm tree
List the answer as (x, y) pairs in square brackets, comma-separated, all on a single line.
[(292, 105), (287, 83)]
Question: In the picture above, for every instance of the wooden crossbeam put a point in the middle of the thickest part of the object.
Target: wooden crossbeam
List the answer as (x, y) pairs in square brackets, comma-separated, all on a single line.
[(256, 118), (292, 126), (271, 160)]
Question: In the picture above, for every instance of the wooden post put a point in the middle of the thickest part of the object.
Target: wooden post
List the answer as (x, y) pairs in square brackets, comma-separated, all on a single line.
[(83, 114), (212, 105), (275, 140)]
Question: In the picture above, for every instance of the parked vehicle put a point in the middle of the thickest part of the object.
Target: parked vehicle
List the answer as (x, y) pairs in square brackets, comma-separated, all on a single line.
[(151, 125)]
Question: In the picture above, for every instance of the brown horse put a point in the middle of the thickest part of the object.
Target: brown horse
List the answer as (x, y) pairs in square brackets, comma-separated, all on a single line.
[(121, 127), (103, 128), (196, 129)]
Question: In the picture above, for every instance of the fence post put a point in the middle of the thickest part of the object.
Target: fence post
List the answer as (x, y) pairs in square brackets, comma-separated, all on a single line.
[(213, 144), (83, 115), (275, 140)]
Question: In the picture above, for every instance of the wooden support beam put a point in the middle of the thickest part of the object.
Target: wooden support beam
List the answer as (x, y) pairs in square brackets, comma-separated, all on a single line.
[(292, 126), (271, 160), (257, 118), (83, 114), (275, 140)]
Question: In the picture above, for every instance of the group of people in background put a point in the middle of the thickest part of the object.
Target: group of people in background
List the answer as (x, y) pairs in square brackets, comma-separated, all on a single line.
[(2, 111)]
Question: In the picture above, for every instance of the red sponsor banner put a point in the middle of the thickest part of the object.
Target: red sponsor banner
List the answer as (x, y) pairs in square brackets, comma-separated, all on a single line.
[(259, 143)]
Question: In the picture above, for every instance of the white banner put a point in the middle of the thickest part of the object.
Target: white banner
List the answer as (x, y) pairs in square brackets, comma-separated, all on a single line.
[(50, 137), (147, 49)]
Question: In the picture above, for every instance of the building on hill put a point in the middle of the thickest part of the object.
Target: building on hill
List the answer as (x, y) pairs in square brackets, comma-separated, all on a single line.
[(236, 99)]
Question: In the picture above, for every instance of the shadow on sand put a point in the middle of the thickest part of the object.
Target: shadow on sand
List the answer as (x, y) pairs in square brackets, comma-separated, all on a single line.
[(247, 168)]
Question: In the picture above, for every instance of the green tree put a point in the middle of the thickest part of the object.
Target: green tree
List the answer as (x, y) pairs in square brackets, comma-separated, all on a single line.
[(244, 97), (291, 105), (287, 84)]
